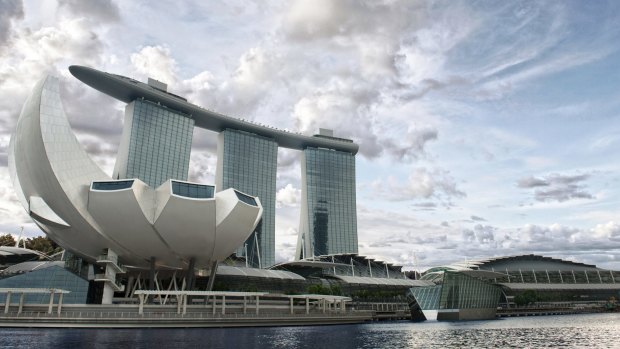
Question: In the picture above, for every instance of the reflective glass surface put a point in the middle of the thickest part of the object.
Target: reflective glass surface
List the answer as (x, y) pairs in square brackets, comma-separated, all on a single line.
[(159, 143), (249, 164), (52, 277), (330, 208), (112, 185), (461, 291), (191, 190), (247, 199)]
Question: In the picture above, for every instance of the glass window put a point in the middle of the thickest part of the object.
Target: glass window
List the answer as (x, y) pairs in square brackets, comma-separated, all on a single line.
[(114, 185), (192, 190)]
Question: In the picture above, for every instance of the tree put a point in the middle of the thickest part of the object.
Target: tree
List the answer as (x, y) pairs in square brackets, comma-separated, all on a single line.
[(526, 298), (43, 244), (7, 240)]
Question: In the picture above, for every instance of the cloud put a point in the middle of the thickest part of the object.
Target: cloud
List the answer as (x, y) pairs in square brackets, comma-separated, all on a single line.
[(413, 145), (101, 10), (478, 219), (421, 184), (9, 12), (32, 53), (610, 230), (155, 62), (483, 234), (202, 166), (556, 187), (425, 206), (288, 196)]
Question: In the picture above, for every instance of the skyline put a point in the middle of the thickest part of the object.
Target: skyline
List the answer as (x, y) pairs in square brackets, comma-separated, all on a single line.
[(483, 130)]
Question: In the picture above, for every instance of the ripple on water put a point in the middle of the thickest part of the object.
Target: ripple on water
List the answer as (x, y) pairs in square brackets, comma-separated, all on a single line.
[(568, 331)]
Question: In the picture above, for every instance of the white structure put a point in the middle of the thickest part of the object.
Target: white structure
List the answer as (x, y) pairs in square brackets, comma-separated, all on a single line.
[(177, 225)]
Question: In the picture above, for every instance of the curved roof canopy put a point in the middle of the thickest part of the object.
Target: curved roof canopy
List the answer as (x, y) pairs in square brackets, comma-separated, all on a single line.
[(505, 264), (127, 90)]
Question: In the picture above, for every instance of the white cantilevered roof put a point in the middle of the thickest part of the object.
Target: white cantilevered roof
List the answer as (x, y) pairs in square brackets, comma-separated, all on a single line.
[(254, 272), (364, 280), (25, 267), (560, 287)]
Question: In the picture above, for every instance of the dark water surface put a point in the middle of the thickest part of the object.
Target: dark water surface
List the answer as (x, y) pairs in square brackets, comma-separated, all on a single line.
[(568, 331)]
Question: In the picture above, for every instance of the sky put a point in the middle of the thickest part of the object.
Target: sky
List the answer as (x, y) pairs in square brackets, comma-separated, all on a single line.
[(486, 128)]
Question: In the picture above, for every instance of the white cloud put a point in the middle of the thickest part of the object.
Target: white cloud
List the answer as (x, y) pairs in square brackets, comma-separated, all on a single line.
[(288, 196), (155, 62), (421, 184)]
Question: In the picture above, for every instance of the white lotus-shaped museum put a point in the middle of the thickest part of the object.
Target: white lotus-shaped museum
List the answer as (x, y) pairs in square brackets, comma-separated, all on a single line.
[(86, 212)]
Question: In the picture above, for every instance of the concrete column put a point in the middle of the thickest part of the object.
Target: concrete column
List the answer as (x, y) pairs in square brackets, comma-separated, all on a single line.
[(129, 286), (108, 294), (190, 273), (257, 305), (152, 274), (245, 305), (307, 305), (291, 303), (184, 300), (49, 309), (212, 276), (223, 305), (141, 306), (214, 305), (21, 303), (179, 301), (59, 308), (324, 304), (7, 304)]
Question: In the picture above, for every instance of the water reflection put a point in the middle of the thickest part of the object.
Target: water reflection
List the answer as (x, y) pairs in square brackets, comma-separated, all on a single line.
[(570, 331)]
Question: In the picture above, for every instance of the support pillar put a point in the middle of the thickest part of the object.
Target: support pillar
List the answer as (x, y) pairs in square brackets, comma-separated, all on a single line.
[(214, 304), (60, 303), (21, 303), (184, 300), (291, 303), (307, 305), (8, 302), (212, 276), (223, 305), (179, 301), (245, 305), (152, 274), (257, 304), (128, 290), (51, 305), (141, 306), (190, 274), (110, 277)]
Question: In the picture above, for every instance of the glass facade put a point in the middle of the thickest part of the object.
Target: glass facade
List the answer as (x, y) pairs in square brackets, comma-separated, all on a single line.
[(51, 277), (457, 291), (245, 198), (112, 185), (192, 190), (156, 144), (461, 291), (248, 163), (328, 217)]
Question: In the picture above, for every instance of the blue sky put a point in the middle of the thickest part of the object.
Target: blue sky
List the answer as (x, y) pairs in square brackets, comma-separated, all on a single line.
[(485, 128)]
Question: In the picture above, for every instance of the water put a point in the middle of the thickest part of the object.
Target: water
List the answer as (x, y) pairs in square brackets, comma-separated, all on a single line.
[(567, 331)]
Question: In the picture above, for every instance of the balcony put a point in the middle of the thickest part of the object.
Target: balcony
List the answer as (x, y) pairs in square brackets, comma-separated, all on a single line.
[(108, 280), (112, 262)]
